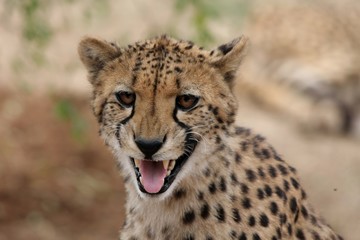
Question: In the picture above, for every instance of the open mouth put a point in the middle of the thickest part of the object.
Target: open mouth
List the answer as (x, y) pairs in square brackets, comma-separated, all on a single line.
[(155, 177)]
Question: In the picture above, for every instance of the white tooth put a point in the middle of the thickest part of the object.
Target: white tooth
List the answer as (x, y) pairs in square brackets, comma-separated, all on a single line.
[(168, 173), (166, 164), (171, 165), (137, 163), (141, 180)]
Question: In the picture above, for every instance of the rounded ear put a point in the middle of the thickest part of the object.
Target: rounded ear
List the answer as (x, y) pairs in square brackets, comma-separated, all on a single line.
[(227, 57), (95, 53)]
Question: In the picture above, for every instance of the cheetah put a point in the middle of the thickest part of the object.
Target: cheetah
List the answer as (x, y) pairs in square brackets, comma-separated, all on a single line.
[(165, 108), (304, 63)]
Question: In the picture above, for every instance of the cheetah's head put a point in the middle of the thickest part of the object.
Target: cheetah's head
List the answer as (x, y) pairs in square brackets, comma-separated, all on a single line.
[(158, 102)]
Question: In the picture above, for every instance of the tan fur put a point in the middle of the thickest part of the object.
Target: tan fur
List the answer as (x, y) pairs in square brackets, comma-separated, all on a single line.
[(304, 62), (233, 185)]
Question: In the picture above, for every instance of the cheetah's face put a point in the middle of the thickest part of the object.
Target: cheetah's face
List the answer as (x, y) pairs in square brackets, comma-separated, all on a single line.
[(157, 100)]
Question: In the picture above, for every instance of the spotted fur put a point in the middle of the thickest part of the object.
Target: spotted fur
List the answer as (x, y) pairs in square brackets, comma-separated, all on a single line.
[(234, 185)]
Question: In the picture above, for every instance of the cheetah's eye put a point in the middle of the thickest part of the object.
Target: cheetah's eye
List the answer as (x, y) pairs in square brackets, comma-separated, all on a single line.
[(126, 99), (186, 102)]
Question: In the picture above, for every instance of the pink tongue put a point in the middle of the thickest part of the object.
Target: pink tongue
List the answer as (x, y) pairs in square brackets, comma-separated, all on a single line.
[(153, 174)]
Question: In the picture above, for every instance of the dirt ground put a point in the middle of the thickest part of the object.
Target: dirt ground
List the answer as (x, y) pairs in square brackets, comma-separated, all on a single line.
[(58, 186)]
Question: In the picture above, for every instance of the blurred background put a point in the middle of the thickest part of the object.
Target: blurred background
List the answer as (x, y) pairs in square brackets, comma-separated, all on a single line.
[(57, 180)]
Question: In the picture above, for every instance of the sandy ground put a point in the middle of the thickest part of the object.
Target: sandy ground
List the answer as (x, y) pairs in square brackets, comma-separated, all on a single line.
[(56, 183)]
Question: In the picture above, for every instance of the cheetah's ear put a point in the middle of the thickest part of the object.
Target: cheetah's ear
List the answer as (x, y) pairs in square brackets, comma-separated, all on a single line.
[(95, 53), (227, 58)]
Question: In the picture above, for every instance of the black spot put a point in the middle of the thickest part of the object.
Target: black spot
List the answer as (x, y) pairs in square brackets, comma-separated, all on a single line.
[(251, 221), (289, 229), (277, 157), (265, 153), (233, 178), (244, 145), (236, 215), (292, 169), (294, 183), (244, 188), (189, 46), (261, 172), (222, 184), (209, 238), (304, 212), (258, 138), (313, 220), (268, 190), (233, 234), (264, 220), (215, 110), (179, 193), (278, 232), (246, 203), (134, 79), (237, 158), (296, 215), (293, 205), (242, 236), (178, 70), (303, 194), (283, 170), (200, 196), (280, 193), (256, 236), (274, 208), (300, 235), (260, 193), (177, 83), (220, 213), (212, 188), (286, 185), (205, 211), (189, 217), (200, 56), (283, 219), (229, 76), (251, 176), (239, 130), (272, 171)]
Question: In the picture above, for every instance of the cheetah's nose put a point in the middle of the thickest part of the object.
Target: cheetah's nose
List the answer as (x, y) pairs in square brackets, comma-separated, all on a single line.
[(148, 146)]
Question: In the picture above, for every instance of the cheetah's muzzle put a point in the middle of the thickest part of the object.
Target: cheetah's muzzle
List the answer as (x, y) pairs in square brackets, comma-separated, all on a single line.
[(155, 177)]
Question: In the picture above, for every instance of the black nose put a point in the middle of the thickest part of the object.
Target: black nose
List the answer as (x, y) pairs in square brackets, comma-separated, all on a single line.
[(148, 147)]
